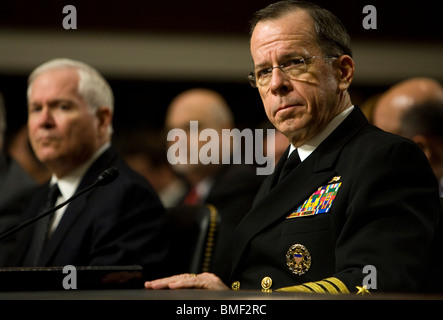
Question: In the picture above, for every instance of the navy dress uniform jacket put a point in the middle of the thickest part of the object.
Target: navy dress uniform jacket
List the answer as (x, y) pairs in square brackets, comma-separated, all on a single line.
[(232, 195), (121, 223), (384, 214)]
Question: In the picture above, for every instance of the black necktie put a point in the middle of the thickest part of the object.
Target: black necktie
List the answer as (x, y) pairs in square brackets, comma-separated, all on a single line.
[(41, 229), (290, 164)]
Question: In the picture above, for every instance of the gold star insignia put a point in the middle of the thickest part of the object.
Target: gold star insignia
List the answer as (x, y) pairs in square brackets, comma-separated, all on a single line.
[(362, 290), (335, 179)]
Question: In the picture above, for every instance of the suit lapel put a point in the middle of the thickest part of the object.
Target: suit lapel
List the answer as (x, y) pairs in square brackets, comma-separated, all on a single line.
[(278, 168), (275, 203), (271, 180), (279, 202), (78, 206)]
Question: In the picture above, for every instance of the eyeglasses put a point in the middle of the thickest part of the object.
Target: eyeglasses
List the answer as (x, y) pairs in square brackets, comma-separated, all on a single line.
[(292, 68)]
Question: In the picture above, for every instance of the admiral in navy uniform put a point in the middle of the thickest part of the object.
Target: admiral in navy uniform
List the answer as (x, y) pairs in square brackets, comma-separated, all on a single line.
[(356, 196)]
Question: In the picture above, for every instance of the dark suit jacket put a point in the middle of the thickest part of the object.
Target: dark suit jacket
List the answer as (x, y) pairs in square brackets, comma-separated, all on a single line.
[(122, 223), (384, 214), (16, 186)]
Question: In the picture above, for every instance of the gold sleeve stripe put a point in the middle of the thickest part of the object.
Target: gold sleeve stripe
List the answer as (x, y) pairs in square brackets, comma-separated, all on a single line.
[(329, 285), (330, 288), (311, 290), (299, 288), (340, 285), (315, 287)]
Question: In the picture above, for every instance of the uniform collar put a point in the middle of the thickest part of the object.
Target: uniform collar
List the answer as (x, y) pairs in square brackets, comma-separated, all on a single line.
[(305, 150)]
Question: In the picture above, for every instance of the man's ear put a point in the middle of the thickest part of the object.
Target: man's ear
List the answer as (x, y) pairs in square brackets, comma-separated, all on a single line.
[(345, 65), (104, 116)]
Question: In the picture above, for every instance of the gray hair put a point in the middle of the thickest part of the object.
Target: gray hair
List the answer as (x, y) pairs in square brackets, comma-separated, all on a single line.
[(332, 36), (92, 86)]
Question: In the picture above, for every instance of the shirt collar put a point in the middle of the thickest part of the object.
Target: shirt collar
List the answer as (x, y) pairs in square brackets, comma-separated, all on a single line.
[(70, 182), (203, 187), (305, 150)]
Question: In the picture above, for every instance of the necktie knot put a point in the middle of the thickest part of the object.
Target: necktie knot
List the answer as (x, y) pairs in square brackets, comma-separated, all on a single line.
[(291, 162)]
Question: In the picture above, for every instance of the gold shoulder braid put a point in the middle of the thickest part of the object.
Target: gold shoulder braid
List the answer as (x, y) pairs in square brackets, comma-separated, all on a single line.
[(210, 240)]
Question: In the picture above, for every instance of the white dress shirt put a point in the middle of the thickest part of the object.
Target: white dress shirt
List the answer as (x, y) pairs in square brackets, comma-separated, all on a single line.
[(305, 150), (69, 184)]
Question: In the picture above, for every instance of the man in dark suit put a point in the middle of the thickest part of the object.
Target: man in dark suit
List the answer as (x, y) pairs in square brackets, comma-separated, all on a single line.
[(358, 210), (70, 109)]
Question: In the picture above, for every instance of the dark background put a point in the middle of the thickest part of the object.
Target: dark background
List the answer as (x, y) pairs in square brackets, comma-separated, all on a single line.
[(144, 100), (396, 19)]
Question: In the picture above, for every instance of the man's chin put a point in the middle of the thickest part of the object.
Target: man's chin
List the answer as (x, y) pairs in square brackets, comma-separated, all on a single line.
[(47, 158)]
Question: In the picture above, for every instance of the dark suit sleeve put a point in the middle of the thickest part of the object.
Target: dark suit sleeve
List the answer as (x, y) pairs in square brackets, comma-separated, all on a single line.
[(16, 188), (131, 229)]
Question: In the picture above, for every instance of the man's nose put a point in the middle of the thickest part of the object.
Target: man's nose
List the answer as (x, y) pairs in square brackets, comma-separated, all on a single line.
[(47, 117), (279, 80)]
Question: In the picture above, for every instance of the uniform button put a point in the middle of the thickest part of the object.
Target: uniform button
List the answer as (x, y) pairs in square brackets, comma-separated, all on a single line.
[(266, 284), (235, 285)]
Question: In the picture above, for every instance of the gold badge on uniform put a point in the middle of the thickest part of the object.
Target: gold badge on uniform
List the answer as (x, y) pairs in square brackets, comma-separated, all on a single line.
[(266, 284), (298, 259)]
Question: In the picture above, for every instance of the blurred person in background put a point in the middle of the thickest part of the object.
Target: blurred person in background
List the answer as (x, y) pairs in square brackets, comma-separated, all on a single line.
[(411, 108), (392, 103), (144, 149), (16, 187), (230, 188)]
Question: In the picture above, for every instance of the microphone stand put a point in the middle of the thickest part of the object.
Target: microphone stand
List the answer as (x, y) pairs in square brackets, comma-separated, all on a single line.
[(106, 177)]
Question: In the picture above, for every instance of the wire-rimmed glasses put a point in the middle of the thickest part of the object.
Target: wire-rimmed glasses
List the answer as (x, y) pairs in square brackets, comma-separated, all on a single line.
[(292, 68)]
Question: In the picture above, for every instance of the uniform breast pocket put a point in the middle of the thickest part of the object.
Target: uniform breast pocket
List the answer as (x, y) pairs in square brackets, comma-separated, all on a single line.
[(309, 224)]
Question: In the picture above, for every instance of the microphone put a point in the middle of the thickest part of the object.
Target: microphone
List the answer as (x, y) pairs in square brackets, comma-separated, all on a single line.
[(106, 177)]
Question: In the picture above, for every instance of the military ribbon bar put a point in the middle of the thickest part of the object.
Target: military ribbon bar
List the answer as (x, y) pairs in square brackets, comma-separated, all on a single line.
[(319, 202)]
